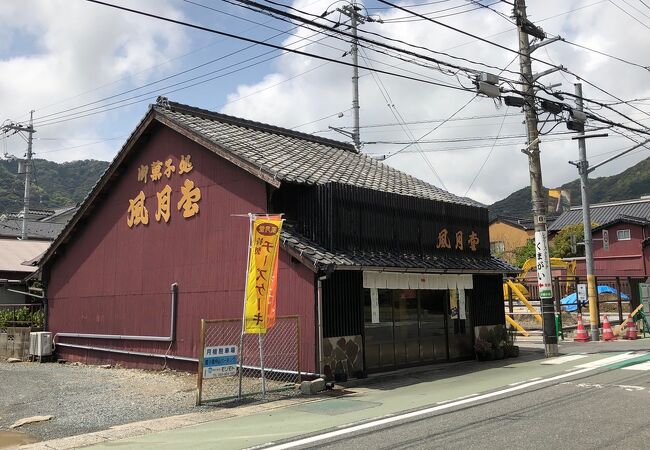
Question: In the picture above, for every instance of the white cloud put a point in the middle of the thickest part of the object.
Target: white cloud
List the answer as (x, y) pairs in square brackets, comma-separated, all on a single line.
[(51, 51), (65, 54), (327, 90)]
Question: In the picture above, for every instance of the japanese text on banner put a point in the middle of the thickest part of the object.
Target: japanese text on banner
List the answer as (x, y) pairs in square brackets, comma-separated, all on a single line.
[(265, 240)]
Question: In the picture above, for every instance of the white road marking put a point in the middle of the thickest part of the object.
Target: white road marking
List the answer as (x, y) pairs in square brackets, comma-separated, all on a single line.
[(563, 359), (641, 366), (388, 420), (610, 360), (630, 388), (525, 381), (455, 399)]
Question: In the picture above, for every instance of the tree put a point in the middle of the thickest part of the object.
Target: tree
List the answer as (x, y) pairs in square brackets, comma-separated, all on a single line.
[(561, 247), (522, 254)]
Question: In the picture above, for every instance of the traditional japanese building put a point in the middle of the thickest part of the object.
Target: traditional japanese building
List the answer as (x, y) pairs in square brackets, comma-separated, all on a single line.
[(620, 237), (383, 270)]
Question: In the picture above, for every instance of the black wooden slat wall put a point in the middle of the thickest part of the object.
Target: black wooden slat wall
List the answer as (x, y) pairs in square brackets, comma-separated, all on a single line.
[(487, 300), (342, 304), (343, 217)]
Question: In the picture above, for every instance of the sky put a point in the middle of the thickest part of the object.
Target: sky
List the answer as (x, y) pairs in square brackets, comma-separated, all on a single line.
[(90, 72)]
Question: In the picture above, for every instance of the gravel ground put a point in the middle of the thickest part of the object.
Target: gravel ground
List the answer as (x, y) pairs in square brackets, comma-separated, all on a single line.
[(84, 399)]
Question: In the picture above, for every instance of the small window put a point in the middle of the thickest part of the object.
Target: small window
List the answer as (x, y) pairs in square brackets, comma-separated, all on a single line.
[(623, 235), (497, 247)]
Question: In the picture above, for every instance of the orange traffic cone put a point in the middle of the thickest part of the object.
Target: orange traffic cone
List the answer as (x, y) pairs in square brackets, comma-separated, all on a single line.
[(608, 334), (632, 333), (581, 333)]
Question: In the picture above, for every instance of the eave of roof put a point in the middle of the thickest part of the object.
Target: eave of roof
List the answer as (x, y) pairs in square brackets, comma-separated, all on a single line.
[(623, 219), (319, 259)]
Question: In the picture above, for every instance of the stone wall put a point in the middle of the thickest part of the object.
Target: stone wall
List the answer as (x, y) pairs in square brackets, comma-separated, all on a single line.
[(14, 342), (343, 357)]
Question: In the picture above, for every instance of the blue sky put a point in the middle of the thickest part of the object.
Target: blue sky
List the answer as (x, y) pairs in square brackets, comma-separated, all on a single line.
[(61, 55)]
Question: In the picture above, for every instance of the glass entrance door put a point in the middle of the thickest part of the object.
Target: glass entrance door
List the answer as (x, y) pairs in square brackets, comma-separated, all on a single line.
[(406, 326), (433, 326)]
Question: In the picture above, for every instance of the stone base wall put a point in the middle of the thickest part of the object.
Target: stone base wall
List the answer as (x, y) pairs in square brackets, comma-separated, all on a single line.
[(14, 342), (343, 356), (483, 330)]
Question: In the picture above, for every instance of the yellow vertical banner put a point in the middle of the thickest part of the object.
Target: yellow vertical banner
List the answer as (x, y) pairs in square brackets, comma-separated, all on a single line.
[(265, 240), (270, 307)]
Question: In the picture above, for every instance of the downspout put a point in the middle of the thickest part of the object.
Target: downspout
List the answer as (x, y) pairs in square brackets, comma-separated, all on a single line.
[(170, 338), (319, 301)]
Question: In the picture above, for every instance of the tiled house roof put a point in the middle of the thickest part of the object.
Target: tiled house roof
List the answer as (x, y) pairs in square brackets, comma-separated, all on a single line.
[(290, 156), (603, 213)]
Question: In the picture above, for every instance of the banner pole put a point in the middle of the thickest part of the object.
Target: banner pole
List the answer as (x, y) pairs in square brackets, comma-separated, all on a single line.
[(260, 339), (243, 317)]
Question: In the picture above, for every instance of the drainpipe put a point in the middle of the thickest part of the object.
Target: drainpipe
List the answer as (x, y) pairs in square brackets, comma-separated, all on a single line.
[(319, 299), (170, 338)]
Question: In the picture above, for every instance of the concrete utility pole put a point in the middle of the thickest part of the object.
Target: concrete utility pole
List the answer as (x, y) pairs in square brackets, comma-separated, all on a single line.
[(28, 175), (536, 186), (352, 11), (28, 166), (583, 170)]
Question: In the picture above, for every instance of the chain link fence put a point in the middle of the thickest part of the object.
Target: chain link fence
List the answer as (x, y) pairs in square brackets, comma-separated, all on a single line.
[(235, 368)]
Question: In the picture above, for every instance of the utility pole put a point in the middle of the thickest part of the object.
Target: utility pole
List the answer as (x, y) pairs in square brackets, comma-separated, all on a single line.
[(352, 11), (536, 186), (28, 166), (583, 170), (28, 175)]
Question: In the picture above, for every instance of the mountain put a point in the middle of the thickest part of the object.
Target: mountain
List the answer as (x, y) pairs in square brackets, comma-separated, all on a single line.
[(54, 185), (629, 184)]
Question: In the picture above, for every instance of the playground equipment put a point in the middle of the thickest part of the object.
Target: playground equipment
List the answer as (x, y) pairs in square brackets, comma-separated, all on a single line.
[(521, 293)]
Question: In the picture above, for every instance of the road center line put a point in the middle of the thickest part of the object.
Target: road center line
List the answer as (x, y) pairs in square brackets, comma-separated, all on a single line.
[(410, 415)]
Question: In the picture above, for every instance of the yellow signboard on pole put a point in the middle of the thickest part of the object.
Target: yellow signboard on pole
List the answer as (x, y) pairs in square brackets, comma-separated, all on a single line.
[(262, 259)]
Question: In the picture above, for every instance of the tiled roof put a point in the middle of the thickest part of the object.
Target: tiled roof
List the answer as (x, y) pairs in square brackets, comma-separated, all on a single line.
[(603, 213), (290, 156), (623, 219), (35, 229), (322, 259), (524, 224)]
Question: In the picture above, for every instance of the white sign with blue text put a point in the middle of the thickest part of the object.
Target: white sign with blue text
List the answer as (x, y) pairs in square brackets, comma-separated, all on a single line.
[(220, 361)]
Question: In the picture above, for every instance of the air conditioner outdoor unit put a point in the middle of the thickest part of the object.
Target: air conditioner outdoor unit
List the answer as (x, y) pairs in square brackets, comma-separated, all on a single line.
[(40, 343)]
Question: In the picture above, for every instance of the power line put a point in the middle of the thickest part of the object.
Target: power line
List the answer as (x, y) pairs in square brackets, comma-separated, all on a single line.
[(488, 155), (628, 14), (398, 116), (434, 129), (267, 44)]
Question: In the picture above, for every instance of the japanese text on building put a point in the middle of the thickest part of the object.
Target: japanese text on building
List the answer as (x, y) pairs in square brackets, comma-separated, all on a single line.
[(188, 197)]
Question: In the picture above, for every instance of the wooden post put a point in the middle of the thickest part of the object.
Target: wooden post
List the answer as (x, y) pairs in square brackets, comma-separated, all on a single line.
[(199, 375), (619, 300), (298, 347), (510, 304)]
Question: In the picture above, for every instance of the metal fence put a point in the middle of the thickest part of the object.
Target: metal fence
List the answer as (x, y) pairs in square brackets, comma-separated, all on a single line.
[(619, 303), (236, 368)]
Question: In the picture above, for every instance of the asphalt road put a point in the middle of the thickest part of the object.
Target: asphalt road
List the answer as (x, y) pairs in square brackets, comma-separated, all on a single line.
[(605, 408)]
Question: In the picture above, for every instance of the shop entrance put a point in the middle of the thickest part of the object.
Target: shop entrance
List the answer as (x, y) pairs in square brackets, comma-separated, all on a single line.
[(408, 327)]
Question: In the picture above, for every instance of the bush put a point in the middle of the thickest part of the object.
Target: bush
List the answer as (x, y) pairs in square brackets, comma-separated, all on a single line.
[(23, 316)]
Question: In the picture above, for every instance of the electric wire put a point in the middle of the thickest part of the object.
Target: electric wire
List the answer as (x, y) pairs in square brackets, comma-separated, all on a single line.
[(273, 46), (488, 155), (398, 116)]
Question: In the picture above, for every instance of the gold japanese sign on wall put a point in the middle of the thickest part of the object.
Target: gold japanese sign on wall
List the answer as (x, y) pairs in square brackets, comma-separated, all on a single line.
[(187, 204), (459, 243)]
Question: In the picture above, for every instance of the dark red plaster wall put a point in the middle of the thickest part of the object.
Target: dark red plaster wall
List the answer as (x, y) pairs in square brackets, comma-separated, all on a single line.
[(112, 279)]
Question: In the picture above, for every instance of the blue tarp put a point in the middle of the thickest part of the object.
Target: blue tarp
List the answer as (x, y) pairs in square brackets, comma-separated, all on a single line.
[(570, 301)]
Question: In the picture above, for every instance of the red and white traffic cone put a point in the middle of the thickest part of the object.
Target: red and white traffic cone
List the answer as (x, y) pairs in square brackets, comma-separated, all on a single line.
[(608, 334), (581, 333), (632, 332)]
